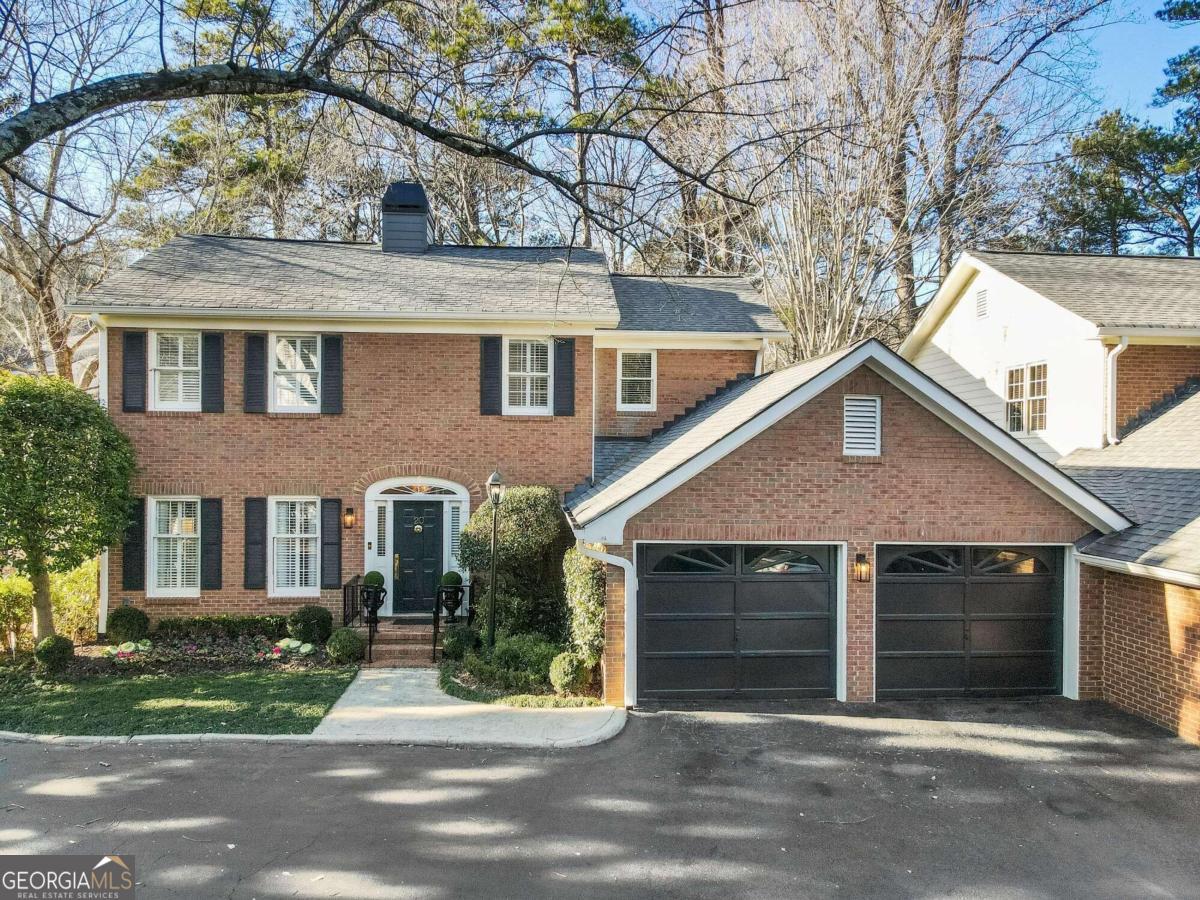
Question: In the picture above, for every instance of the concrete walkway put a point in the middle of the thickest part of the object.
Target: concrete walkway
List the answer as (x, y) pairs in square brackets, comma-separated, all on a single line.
[(406, 706)]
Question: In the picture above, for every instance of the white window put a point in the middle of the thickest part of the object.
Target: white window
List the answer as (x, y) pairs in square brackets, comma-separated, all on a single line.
[(981, 304), (174, 528), (176, 371), (1025, 398), (528, 381), (296, 373), (295, 546), (861, 426), (636, 380)]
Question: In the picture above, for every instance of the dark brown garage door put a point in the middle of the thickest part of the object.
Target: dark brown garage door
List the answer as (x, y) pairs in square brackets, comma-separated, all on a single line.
[(726, 621), (968, 621)]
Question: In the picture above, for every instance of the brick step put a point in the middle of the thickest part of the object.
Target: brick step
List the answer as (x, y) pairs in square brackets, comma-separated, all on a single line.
[(405, 636), (380, 663), (401, 655)]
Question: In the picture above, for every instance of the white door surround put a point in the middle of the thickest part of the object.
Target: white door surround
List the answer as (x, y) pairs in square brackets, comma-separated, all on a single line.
[(378, 528)]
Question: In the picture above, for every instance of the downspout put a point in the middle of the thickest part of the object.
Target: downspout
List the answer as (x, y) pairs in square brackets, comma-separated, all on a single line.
[(1111, 385), (630, 614), (102, 396)]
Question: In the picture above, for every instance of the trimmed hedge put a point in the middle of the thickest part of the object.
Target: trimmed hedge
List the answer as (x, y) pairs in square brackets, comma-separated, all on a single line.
[(490, 675), (346, 646), (569, 673), (528, 653), (310, 624), (127, 623), (583, 578), (53, 653), (233, 627)]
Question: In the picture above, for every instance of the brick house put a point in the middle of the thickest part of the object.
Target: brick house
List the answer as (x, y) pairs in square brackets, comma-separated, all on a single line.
[(1094, 362), (304, 412)]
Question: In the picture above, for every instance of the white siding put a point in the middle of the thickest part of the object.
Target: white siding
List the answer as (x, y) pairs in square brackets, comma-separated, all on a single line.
[(970, 355)]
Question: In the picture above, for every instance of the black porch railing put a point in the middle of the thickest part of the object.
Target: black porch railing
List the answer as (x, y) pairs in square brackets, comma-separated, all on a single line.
[(352, 601)]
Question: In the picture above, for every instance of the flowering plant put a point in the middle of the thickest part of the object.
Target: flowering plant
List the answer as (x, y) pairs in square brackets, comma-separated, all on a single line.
[(291, 645), (128, 649)]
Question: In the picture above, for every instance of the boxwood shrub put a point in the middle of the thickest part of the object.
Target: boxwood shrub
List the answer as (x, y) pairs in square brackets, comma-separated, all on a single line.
[(569, 673), (458, 641), (584, 581), (232, 627), (528, 653), (310, 624), (127, 623), (53, 653), (346, 646)]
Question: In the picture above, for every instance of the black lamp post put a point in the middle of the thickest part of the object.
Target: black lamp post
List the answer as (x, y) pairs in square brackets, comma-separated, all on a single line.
[(495, 489)]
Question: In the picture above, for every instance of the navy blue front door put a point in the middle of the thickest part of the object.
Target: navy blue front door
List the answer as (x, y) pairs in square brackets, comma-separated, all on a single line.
[(417, 566)]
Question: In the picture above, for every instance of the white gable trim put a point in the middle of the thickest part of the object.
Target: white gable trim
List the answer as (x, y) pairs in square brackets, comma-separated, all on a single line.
[(609, 526), (1158, 573)]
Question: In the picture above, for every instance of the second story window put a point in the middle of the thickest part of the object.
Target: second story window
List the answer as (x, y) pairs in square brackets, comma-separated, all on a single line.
[(176, 374), (1025, 398), (636, 380), (175, 547), (527, 388), (296, 373)]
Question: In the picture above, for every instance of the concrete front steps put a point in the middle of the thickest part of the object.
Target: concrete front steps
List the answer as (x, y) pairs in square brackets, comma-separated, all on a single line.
[(402, 645)]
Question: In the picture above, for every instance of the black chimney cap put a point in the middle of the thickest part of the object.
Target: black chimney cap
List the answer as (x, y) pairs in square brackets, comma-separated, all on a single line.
[(405, 196)]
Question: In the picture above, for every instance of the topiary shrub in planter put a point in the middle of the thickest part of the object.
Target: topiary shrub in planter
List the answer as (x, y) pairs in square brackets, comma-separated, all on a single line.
[(53, 653), (451, 579), (584, 581), (532, 539), (528, 653), (127, 623), (373, 579), (310, 624), (346, 646), (459, 641), (569, 673)]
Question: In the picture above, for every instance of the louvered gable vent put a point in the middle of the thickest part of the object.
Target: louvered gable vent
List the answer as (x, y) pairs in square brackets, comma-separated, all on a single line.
[(861, 426), (981, 304)]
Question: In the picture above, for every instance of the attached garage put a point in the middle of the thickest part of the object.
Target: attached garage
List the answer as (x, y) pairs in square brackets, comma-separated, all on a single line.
[(736, 621), (957, 620)]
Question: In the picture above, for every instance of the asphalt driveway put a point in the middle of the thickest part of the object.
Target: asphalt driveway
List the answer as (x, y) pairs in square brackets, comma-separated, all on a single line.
[(1045, 799)]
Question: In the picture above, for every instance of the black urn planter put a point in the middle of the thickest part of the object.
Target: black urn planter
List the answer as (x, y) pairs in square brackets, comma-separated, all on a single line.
[(450, 597), (372, 601)]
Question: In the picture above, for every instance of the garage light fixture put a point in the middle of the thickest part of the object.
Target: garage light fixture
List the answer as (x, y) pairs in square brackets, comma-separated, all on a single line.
[(862, 568)]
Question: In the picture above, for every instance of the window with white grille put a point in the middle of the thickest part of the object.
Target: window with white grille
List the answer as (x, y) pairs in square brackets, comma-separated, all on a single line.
[(381, 529), (527, 376), (861, 426), (455, 531), (636, 391), (296, 373), (981, 304), (1025, 398), (175, 547), (176, 372), (295, 546)]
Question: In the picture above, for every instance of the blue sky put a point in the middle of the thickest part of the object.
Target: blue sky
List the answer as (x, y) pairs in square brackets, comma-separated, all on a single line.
[(1130, 58)]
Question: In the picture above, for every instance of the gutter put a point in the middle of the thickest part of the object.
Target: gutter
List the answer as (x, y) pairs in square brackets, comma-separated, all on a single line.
[(1158, 573), (630, 613), (1110, 386)]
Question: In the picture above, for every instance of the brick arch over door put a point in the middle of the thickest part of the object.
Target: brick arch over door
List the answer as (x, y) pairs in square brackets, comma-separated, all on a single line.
[(418, 470)]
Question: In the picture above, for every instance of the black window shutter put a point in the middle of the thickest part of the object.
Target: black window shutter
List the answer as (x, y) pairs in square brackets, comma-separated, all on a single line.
[(564, 376), (254, 386), (490, 401), (331, 374), (133, 370), (331, 543), (133, 550), (256, 543), (212, 372), (210, 544)]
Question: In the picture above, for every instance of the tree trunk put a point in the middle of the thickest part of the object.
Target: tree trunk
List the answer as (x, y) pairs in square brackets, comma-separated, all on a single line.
[(43, 612), (581, 149)]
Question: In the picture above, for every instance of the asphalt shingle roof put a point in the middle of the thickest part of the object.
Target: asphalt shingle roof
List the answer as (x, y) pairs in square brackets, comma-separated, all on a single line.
[(1110, 291), (1153, 476), (693, 434), (211, 274), (691, 303)]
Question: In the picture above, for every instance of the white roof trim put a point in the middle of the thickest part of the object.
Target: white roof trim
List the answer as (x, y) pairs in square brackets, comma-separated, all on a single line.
[(1158, 573), (237, 312), (608, 526)]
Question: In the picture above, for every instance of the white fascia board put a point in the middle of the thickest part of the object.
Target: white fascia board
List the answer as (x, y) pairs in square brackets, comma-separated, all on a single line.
[(609, 526), (948, 293), (683, 340), (365, 324), (999, 444), (1158, 573), (1112, 334)]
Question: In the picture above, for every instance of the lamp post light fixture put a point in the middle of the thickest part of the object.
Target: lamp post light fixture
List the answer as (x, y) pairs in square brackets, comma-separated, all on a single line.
[(495, 489), (862, 568)]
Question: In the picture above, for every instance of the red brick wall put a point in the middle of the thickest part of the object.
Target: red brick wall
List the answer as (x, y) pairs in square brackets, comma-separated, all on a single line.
[(411, 408), (793, 483), (1152, 651), (1147, 371), (684, 377)]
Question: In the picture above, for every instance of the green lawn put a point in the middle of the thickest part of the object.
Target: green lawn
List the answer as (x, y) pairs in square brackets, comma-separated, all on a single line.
[(258, 702)]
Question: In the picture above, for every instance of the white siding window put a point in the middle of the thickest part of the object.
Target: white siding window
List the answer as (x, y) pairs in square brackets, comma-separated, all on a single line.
[(176, 371), (174, 550), (296, 373), (861, 426), (295, 546), (1025, 398), (527, 382), (636, 380), (981, 304)]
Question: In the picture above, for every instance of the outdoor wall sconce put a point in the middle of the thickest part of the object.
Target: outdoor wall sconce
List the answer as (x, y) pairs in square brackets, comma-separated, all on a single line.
[(862, 568), (348, 517)]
